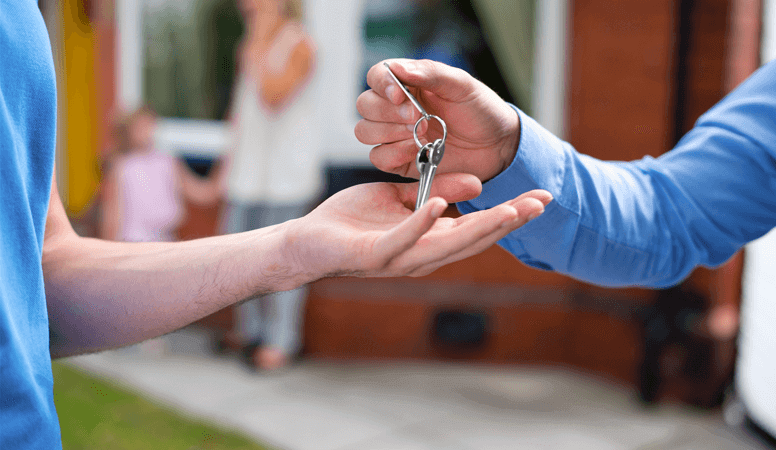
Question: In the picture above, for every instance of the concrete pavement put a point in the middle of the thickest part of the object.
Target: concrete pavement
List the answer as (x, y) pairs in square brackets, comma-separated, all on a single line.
[(399, 405)]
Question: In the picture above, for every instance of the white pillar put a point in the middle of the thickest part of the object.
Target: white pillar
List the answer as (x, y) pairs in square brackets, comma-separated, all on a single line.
[(129, 51), (550, 65), (336, 26), (768, 49), (756, 365)]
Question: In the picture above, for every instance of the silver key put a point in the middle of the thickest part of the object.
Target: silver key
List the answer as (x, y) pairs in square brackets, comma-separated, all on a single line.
[(427, 160), (429, 155), (424, 166)]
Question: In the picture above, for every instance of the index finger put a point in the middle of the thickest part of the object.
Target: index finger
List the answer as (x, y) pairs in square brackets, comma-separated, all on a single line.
[(446, 82), (381, 81)]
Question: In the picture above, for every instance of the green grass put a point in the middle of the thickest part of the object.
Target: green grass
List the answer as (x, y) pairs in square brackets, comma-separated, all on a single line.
[(93, 414)]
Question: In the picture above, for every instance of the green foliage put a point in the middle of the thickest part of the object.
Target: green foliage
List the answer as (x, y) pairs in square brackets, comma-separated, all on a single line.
[(181, 70), (93, 414)]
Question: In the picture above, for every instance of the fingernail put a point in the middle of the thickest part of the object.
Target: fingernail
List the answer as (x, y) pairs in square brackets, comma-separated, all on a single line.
[(406, 112), (390, 90), (534, 215), (509, 222), (439, 209), (411, 127)]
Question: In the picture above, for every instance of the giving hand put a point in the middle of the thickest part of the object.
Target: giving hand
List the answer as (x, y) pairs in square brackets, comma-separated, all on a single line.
[(483, 130)]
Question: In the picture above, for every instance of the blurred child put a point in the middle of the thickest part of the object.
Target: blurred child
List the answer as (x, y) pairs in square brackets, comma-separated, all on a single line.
[(144, 189), (143, 192)]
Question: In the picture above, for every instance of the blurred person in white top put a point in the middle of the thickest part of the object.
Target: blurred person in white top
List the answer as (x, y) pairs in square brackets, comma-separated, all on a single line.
[(273, 171)]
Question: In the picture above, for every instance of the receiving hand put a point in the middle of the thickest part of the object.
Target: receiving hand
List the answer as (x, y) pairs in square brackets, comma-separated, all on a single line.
[(483, 130), (370, 230)]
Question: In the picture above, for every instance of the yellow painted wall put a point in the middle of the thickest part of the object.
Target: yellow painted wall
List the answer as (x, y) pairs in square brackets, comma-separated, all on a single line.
[(79, 107)]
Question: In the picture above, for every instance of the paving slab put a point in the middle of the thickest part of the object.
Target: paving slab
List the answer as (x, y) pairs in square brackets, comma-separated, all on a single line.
[(320, 405)]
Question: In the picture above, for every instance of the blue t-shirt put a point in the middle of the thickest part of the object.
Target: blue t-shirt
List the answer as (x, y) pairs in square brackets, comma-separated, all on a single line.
[(27, 134)]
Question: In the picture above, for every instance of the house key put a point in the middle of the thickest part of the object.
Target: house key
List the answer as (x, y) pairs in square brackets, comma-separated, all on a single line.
[(429, 155)]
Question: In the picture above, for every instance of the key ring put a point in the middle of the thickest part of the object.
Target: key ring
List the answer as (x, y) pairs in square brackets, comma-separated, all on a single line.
[(428, 117), (423, 114), (430, 155)]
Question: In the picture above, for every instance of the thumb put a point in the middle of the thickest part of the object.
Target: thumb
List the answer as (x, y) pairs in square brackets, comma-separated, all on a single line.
[(404, 235), (448, 83)]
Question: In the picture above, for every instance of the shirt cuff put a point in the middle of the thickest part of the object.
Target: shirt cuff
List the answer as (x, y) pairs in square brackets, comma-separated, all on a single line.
[(538, 164)]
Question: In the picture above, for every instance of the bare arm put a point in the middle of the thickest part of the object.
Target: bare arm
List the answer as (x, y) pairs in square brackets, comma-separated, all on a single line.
[(202, 191), (106, 294), (110, 211), (276, 88), (103, 294)]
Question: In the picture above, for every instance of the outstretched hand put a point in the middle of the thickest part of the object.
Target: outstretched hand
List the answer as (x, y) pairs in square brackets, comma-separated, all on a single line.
[(370, 230), (483, 130)]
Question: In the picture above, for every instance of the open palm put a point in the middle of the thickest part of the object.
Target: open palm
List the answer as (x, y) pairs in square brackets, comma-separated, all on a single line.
[(370, 230)]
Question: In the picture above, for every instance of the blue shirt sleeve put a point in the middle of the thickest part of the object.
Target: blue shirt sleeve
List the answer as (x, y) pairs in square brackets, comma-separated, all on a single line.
[(648, 222)]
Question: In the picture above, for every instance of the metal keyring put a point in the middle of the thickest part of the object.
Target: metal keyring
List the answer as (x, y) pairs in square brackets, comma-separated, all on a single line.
[(427, 117)]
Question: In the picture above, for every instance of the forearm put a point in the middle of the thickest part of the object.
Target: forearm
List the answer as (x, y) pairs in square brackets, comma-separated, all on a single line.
[(106, 294), (607, 224), (202, 191), (110, 209), (649, 222), (277, 88)]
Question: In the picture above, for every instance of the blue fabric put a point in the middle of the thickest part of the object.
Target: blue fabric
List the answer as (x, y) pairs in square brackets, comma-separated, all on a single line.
[(651, 221), (27, 134)]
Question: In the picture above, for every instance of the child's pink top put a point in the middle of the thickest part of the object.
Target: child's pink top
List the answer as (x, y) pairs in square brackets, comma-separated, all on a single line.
[(151, 207)]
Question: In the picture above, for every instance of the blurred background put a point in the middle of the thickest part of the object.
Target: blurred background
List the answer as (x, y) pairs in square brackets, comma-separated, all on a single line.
[(484, 353)]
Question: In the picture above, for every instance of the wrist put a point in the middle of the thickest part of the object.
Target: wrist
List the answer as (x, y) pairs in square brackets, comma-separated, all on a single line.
[(303, 267), (264, 261), (509, 144)]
